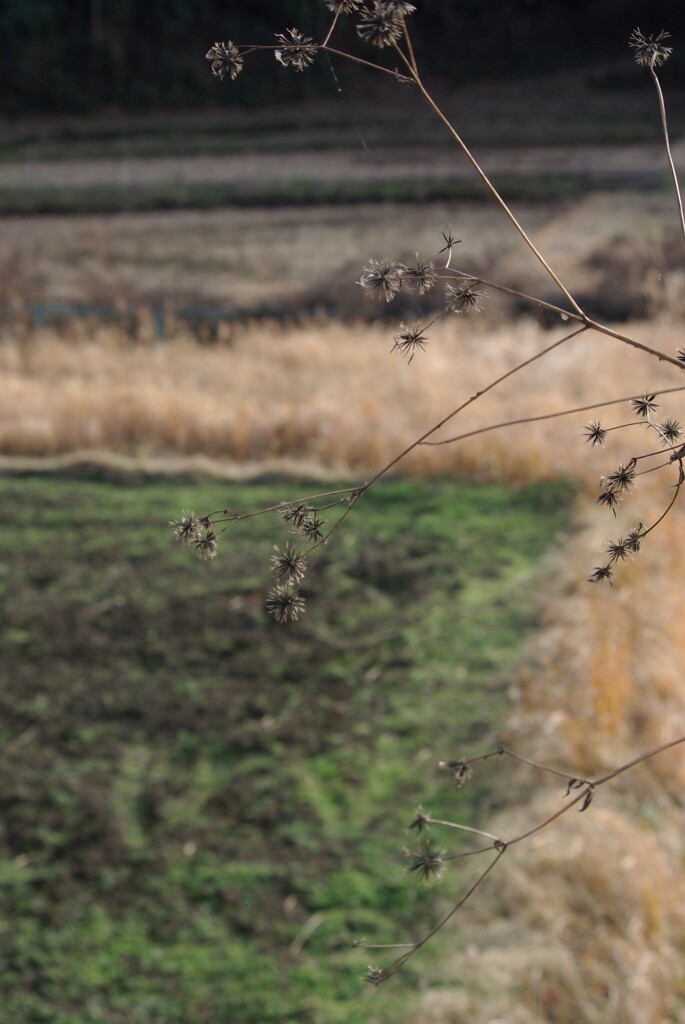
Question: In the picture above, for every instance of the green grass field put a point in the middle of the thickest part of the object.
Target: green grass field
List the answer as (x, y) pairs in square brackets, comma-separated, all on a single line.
[(199, 808)]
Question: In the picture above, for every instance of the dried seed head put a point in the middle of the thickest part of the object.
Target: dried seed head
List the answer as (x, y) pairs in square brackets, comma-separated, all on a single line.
[(609, 498), (285, 603), (450, 242), (600, 574), (298, 51), (409, 341), (595, 434), (622, 479), (427, 862), (205, 542), (670, 431), (634, 537), (186, 528), (421, 821), (619, 550), (382, 278), (400, 7), (311, 528), (463, 297), (374, 975), (380, 25), (650, 51), (296, 514), (421, 277), (462, 771), (343, 6), (644, 405), (288, 565), (225, 60)]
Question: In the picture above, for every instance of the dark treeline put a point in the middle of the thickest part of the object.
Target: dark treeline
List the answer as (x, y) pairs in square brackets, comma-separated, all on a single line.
[(81, 56)]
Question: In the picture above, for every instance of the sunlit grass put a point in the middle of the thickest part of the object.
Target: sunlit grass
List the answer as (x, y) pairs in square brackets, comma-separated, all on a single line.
[(320, 393)]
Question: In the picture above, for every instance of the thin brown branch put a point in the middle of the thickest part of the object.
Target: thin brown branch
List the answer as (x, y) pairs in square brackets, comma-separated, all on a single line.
[(444, 920), (556, 415), (368, 64), (667, 143), (668, 508), (331, 30), (638, 760), (496, 195)]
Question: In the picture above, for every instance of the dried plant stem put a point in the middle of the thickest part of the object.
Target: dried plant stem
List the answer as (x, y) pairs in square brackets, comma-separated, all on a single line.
[(578, 317), (667, 143), (414, 74), (676, 491), (639, 760), (432, 430), (448, 916), (532, 299), (496, 195), (535, 764), (324, 48), (366, 63), (235, 517), (410, 50), (465, 828), (661, 356), (586, 790), (331, 30), (556, 415), (471, 400)]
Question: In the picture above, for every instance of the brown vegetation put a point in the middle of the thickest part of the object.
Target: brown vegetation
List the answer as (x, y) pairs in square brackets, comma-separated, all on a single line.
[(320, 392)]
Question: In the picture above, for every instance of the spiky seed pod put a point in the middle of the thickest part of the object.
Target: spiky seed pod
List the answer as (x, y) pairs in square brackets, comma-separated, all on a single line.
[(409, 341), (343, 6), (288, 565), (226, 59), (186, 528), (622, 479), (295, 49), (644, 405), (205, 543), (463, 297), (670, 431), (285, 603), (374, 975), (401, 7), (380, 26), (650, 51), (608, 497), (311, 529), (595, 434), (421, 277), (382, 278), (600, 574), (296, 514), (427, 862)]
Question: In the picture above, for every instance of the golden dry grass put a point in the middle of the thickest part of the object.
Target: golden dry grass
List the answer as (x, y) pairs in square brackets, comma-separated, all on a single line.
[(323, 393)]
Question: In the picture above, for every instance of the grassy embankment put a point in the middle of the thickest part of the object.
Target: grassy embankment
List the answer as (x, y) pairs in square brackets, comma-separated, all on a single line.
[(201, 808)]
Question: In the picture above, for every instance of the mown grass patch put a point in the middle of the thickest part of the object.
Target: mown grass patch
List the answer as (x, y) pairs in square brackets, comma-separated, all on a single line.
[(200, 808)]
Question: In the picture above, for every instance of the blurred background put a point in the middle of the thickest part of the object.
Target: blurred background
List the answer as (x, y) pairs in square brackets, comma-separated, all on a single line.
[(200, 810)]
